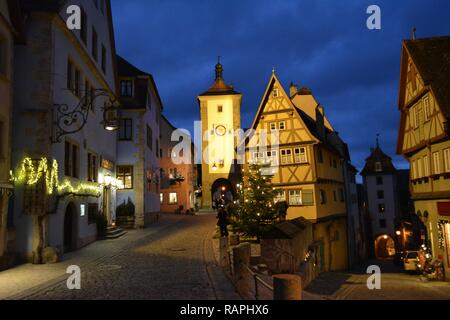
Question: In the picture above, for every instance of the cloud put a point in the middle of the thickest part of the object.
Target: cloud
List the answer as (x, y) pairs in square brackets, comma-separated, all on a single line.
[(324, 45)]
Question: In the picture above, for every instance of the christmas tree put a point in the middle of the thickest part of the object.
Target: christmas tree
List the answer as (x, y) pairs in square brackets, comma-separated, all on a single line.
[(257, 210)]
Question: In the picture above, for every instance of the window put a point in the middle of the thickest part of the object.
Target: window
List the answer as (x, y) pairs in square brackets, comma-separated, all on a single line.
[(70, 69), (380, 194), (323, 197), (295, 198), (276, 93), (92, 213), (341, 195), (3, 56), (92, 98), (272, 157), (76, 88), (126, 130), (381, 208), (161, 198), (334, 163), (379, 180), (94, 44), (125, 175), (300, 155), (426, 166), (83, 31), (319, 155), (92, 167), (157, 148), (426, 108), (280, 197), (334, 196), (378, 167), (414, 169), (86, 91), (103, 59), (102, 6), (307, 197), (286, 156), (436, 167), (447, 160), (282, 125), (2, 139), (219, 109), (273, 126), (126, 88), (71, 160), (419, 168), (149, 138), (173, 198), (383, 223)]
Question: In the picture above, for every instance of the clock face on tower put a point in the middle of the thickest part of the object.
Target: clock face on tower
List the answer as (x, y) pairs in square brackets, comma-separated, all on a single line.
[(221, 130)]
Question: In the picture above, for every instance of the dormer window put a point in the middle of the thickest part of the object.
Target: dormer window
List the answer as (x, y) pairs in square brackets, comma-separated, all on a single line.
[(126, 88), (378, 167), (219, 109)]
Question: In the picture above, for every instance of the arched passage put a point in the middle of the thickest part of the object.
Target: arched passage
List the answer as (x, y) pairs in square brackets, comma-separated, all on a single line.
[(70, 228), (384, 247), (223, 188)]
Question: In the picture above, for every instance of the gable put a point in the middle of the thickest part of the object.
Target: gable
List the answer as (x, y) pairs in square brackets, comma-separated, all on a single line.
[(276, 108)]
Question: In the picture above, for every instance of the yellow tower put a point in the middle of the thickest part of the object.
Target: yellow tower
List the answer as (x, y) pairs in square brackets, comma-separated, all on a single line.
[(220, 113)]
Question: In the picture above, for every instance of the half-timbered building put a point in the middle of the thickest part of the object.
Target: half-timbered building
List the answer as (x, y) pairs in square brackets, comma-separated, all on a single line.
[(424, 104), (307, 158)]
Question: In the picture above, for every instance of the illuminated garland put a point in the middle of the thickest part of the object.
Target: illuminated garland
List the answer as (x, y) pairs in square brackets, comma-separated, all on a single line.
[(30, 174)]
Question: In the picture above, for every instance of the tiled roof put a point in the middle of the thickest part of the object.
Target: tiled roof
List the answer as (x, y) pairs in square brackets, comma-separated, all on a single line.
[(378, 155), (432, 59)]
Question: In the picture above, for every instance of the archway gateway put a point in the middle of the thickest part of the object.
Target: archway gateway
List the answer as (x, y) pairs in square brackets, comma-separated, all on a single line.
[(384, 247), (222, 187)]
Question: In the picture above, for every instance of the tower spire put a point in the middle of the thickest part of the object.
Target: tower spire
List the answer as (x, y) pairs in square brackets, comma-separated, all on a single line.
[(414, 29), (378, 140), (219, 69)]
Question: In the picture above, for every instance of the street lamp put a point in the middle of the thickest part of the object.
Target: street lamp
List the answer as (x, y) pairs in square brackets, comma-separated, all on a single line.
[(70, 120)]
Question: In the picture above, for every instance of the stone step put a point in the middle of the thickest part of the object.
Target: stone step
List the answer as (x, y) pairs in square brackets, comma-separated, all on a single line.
[(114, 232)]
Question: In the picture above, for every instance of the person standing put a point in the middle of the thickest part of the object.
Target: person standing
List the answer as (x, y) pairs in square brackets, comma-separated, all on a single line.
[(222, 222)]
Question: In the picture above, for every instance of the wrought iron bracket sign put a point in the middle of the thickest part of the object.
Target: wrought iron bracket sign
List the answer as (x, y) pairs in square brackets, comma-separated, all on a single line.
[(69, 120)]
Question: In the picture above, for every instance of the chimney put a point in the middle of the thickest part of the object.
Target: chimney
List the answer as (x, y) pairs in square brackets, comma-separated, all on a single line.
[(293, 89), (320, 122)]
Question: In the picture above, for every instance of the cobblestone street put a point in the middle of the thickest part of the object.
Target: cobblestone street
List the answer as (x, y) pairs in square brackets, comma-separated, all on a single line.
[(170, 260), (395, 285)]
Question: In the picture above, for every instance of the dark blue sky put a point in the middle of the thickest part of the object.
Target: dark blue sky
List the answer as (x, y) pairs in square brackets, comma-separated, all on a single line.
[(321, 44)]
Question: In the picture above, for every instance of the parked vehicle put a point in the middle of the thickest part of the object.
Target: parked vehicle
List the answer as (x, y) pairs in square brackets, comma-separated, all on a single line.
[(411, 261)]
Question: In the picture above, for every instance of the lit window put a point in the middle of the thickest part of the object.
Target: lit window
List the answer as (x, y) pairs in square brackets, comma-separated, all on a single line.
[(173, 198), (125, 175), (426, 108), (426, 166), (378, 167), (381, 208), (447, 160), (437, 169), (280, 197), (295, 198), (161, 198), (419, 168)]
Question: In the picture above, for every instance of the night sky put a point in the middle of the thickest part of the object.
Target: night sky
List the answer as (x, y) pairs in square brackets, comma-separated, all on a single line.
[(324, 45)]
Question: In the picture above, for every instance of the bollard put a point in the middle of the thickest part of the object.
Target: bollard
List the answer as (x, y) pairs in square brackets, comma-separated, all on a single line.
[(223, 259), (241, 259), (287, 287)]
